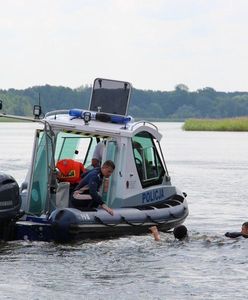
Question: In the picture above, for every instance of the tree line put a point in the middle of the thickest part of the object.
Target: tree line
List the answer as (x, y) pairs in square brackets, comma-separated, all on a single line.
[(179, 104)]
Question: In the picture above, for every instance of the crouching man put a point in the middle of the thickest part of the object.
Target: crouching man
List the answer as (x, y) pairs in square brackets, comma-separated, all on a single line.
[(86, 194)]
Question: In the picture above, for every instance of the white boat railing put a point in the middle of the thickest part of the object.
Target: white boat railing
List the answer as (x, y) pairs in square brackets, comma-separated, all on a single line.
[(57, 112), (144, 124)]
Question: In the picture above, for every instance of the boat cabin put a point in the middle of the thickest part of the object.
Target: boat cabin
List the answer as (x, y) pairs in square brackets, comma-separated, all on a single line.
[(140, 177)]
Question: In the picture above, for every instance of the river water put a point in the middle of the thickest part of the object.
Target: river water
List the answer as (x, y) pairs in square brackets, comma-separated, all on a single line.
[(211, 167)]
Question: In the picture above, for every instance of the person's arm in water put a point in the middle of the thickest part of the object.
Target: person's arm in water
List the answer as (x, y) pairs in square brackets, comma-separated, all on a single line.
[(233, 234), (155, 233), (243, 232)]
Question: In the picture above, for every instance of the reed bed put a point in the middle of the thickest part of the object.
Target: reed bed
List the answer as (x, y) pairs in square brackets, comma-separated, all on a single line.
[(4, 119), (227, 124)]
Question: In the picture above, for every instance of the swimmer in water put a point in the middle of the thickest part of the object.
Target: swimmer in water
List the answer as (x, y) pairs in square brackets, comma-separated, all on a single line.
[(180, 232), (243, 232), (155, 233)]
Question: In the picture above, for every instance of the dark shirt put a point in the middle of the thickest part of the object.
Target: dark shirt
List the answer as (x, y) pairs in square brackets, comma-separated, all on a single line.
[(93, 179), (235, 235)]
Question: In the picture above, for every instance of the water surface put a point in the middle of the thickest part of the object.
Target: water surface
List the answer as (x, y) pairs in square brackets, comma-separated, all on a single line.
[(211, 167)]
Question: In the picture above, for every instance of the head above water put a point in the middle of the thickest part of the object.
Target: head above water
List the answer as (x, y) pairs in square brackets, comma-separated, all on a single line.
[(244, 229), (180, 232), (107, 168)]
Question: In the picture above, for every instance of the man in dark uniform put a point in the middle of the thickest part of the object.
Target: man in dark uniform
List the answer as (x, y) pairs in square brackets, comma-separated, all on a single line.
[(86, 193)]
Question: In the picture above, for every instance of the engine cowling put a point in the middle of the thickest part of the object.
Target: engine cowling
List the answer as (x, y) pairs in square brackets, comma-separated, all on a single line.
[(10, 203), (10, 200)]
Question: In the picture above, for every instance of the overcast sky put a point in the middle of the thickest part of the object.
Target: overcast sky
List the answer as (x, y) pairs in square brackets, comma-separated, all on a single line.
[(154, 44)]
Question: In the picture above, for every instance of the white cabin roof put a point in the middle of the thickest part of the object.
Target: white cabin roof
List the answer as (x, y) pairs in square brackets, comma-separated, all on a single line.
[(66, 122)]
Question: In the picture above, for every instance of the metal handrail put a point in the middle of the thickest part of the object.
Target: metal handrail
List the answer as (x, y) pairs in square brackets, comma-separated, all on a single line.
[(57, 112), (144, 123)]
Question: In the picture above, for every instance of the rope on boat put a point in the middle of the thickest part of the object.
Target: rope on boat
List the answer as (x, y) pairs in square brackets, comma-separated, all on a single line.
[(156, 222), (106, 224), (123, 220), (148, 218), (133, 224)]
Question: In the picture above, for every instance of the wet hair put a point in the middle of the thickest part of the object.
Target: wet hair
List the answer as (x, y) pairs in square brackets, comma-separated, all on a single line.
[(109, 164), (245, 224), (180, 232)]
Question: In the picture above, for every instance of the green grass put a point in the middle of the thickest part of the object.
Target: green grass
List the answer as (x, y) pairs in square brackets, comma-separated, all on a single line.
[(3, 119), (228, 124)]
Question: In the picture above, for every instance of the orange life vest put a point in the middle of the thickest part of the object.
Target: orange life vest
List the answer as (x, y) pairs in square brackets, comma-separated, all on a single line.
[(70, 170)]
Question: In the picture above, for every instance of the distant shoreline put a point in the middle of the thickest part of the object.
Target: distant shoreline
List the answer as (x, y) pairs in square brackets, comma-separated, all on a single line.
[(239, 124), (9, 120), (226, 124), (5, 119)]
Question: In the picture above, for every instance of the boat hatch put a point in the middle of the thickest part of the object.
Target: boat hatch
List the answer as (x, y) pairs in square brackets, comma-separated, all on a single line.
[(110, 96)]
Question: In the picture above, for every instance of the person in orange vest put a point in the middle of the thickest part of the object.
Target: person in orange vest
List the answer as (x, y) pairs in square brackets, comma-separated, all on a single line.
[(70, 171)]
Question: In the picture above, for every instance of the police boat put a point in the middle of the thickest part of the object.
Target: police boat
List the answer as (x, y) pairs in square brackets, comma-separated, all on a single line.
[(139, 191)]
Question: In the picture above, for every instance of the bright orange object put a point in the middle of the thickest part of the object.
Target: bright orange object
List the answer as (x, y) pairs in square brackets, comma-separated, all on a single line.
[(70, 170)]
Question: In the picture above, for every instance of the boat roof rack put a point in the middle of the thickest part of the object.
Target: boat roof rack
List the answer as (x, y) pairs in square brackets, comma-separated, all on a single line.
[(143, 122), (110, 96), (57, 112)]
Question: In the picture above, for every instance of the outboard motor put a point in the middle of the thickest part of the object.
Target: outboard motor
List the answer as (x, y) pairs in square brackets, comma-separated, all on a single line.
[(10, 203)]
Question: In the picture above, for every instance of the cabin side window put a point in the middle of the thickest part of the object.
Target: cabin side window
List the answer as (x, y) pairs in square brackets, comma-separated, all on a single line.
[(148, 163)]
